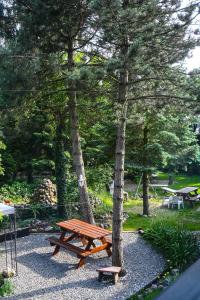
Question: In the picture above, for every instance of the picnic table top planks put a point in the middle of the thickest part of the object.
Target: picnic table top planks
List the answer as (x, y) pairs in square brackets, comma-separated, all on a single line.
[(84, 229), (187, 189)]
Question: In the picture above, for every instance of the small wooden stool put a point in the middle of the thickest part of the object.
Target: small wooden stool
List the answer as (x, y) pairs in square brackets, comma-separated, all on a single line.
[(113, 270)]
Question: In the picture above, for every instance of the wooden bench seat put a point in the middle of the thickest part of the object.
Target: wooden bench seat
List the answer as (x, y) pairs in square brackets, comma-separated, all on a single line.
[(80, 252), (108, 240), (113, 270)]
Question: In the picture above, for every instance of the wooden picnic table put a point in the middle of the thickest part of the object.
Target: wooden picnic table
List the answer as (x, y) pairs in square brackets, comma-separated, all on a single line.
[(186, 192), (187, 196), (87, 234)]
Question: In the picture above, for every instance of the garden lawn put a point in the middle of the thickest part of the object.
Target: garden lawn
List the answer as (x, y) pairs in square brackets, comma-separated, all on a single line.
[(181, 180), (188, 217)]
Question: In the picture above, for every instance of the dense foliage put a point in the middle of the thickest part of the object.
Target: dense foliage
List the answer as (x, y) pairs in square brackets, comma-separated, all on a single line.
[(79, 80), (179, 247)]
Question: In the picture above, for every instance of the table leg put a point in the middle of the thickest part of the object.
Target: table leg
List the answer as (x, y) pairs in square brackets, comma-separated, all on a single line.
[(109, 252), (57, 248), (85, 242), (62, 238), (82, 260)]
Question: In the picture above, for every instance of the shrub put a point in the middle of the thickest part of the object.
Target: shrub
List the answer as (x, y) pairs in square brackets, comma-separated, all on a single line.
[(18, 191), (6, 288), (98, 178), (72, 189), (179, 246)]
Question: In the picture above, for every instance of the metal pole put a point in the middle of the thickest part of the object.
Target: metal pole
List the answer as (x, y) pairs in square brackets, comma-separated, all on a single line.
[(15, 244), (6, 249)]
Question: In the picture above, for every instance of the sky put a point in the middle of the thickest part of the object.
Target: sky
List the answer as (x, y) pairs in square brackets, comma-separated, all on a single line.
[(193, 62)]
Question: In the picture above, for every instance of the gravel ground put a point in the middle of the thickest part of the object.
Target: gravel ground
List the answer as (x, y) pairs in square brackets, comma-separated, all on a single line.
[(44, 277)]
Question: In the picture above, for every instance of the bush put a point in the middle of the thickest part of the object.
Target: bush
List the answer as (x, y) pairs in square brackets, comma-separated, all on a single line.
[(18, 191), (98, 178), (6, 288), (72, 189), (179, 247)]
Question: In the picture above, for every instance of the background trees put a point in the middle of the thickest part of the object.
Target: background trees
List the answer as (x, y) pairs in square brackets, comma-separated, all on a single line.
[(81, 69), (160, 140), (144, 39)]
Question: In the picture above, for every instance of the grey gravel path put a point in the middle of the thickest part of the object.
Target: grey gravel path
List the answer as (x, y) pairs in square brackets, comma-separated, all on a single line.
[(55, 278)]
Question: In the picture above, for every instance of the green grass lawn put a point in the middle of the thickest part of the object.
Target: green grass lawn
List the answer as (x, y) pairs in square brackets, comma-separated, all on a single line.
[(181, 180), (188, 217)]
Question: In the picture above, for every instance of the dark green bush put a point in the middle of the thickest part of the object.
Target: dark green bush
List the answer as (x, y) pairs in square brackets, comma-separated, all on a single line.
[(98, 178), (18, 191), (72, 189), (178, 246), (6, 288)]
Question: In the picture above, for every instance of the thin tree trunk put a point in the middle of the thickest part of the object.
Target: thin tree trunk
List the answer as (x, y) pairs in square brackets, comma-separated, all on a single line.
[(117, 244), (145, 180), (76, 145), (29, 173), (60, 166), (145, 185)]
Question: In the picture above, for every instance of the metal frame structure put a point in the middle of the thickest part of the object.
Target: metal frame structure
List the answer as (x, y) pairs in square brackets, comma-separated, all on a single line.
[(10, 238)]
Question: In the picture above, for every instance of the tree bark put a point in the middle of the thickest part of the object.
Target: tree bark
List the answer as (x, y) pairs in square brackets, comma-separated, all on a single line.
[(117, 245), (117, 241), (60, 166), (145, 179), (76, 145), (145, 186)]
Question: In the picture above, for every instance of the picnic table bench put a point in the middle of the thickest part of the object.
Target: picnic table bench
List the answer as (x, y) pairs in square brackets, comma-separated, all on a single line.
[(87, 234), (187, 196)]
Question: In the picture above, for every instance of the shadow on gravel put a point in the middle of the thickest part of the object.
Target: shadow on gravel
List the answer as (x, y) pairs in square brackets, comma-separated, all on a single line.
[(89, 284), (24, 244), (48, 267), (63, 281), (44, 265)]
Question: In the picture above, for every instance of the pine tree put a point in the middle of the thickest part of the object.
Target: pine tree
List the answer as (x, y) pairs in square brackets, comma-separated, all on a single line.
[(144, 39), (58, 28)]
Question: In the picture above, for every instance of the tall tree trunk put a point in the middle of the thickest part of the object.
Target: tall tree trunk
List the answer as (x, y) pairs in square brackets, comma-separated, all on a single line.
[(145, 179), (117, 244), (76, 145), (60, 166), (29, 173), (145, 187)]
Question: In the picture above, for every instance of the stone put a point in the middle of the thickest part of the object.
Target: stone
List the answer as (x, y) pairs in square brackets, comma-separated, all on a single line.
[(160, 286), (154, 286), (175, 271), (165, 283), (95, 201), (45, 193), (8, 273), (48, 228), (106, 226)]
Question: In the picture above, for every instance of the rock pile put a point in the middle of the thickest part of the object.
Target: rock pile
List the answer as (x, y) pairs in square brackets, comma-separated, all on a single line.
[(94, 201), (45, 193)]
